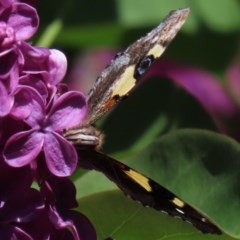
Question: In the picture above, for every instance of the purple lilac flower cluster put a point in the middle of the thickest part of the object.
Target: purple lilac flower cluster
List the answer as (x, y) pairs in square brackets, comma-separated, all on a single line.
[(34, 110)]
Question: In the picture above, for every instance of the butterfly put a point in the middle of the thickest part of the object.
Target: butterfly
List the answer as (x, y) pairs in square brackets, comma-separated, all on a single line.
[(115, 83)]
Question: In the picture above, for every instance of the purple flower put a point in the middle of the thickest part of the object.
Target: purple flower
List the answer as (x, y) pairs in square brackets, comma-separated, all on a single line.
[(46, 125), (19, 203), (50, 63), (58, 221), (43, 70), (29, 90), (35, 109), (18, 22)]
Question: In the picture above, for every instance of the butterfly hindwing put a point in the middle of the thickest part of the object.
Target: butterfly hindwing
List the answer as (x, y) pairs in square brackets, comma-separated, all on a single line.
[(144, 190)]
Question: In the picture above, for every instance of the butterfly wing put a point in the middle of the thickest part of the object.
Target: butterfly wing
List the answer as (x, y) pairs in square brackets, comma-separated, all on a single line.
[(124, 71), (143, 189), (122, 75)]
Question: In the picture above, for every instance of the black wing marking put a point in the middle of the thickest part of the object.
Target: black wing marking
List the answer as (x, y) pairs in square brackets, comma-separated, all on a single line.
[(145, 190)]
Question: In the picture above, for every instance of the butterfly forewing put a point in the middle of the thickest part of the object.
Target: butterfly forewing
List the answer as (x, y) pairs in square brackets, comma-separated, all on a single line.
[(123, 73)]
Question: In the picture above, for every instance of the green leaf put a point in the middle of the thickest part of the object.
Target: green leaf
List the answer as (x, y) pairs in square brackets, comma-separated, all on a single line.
[(50, 34), (201, 167), (219, 15), (114, 215), (144, 13), (93, 182), (91, 35)]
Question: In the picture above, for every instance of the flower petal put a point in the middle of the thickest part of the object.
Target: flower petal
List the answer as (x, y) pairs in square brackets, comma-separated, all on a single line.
[(20, 234), (34, 81), (36, 58), (68, 111), (61, 157), (12, 232), (6, 101), (57, 66), (79, 224), (60, 192), (23, 19), (23, 103), (36, 105), (22, 148), (10, 67), (24, 207)]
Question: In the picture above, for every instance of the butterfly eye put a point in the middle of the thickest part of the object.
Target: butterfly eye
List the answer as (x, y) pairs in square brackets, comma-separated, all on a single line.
[(143, 65)]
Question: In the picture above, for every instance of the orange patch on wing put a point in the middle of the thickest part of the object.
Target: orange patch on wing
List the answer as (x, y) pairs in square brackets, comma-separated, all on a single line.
[(110, 103)]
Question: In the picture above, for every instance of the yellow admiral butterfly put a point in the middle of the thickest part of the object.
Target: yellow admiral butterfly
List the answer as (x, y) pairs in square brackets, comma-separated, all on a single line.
[(114, 84)]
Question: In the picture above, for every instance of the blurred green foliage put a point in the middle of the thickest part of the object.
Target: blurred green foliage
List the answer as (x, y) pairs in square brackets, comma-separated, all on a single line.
[(210, 37)]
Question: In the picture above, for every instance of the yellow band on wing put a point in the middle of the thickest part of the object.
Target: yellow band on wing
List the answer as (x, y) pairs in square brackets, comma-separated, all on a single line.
[(125, 83), (156, 51), (178, 202), (139, 178)]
